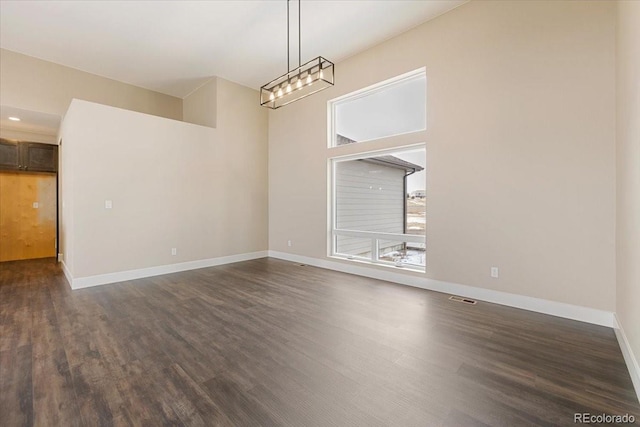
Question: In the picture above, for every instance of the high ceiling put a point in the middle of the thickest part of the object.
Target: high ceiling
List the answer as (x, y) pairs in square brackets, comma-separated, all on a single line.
[(175, 46), (30, 121)]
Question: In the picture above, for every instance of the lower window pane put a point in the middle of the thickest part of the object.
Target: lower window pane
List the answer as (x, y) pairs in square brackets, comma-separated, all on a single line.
[(353, 246), (381, 196), (401, 253)]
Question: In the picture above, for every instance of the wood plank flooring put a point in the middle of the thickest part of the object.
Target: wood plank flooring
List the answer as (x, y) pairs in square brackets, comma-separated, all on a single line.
[(273, 343)]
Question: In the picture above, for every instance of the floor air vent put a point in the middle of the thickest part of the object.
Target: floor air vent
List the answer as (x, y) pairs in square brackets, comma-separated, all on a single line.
[(464, 300)]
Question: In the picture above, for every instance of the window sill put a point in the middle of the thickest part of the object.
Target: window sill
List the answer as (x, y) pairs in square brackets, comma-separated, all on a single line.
[(403, 267)]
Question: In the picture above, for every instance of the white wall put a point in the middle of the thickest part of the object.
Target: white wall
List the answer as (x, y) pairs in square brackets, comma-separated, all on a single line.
[(628, 175), (520, 147), (172, 184), (66, 195)]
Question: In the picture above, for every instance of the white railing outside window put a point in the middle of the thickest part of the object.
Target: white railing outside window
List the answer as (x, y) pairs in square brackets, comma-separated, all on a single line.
[(397, 257)]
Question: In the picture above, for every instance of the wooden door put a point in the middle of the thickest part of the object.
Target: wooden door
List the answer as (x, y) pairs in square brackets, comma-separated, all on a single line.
[(27, 215)]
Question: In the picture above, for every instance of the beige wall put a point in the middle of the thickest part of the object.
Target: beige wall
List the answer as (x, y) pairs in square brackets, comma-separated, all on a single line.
[(520, 148), (241, 168), (172, 184), (199, 107), (628, 172), (33, 84), (66, 184)]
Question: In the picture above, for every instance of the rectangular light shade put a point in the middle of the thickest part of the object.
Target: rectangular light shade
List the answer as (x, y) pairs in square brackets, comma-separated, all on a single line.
[(309, 78)]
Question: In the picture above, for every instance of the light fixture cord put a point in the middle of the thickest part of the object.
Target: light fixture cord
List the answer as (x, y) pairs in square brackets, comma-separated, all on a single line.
[(299, 42), (288, 63)]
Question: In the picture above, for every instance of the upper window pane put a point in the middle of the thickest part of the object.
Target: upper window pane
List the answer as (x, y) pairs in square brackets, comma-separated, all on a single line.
[(397, 108)]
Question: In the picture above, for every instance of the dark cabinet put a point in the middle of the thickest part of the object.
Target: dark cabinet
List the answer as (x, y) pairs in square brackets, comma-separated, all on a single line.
[(39, 157), (9, 155), (28, 156)]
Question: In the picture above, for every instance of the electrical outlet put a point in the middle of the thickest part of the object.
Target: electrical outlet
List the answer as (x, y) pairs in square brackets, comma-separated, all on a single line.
[(494, 272), (108, 204), (35, 205), (174, 251), (289, 243)]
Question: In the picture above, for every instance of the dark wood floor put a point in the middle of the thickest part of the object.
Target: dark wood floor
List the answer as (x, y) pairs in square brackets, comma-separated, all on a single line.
[(269, 342)]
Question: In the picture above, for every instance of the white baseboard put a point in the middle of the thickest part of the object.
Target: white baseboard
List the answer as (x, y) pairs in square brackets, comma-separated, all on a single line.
[(554, 308), (103, 279), (629, 358)]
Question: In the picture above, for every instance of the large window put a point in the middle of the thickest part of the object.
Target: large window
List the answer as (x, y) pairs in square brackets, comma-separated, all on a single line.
[(379, 197)]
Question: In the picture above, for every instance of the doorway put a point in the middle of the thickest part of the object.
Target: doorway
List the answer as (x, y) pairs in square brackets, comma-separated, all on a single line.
[(27, 215), (28, 184)]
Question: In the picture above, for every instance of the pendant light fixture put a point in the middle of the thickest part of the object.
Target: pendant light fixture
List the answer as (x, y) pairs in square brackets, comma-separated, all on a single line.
[(300, 82)]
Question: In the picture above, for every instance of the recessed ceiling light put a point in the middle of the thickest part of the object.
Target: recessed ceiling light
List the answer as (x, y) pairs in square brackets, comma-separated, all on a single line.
[(14, 119)]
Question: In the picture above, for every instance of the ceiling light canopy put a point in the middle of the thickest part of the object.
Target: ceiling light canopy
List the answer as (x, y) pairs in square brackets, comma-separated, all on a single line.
[(300, 82)]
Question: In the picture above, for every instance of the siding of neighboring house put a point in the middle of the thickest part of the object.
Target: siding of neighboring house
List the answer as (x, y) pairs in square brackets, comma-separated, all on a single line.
[(369, 197)]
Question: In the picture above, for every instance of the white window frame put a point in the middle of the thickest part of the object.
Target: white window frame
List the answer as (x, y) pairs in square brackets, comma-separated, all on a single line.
[(375, 237), (360, 150)]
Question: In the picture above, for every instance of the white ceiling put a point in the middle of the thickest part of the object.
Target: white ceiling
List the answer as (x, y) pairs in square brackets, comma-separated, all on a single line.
[(175, 46), (30, 121)]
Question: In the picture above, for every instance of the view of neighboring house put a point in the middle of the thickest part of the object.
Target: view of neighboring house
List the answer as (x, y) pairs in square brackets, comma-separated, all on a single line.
[(371, 197), (418, 194)]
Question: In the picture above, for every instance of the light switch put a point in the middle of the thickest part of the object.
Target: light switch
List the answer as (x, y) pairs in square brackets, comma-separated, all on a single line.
[(108, 204), (36, 205)]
